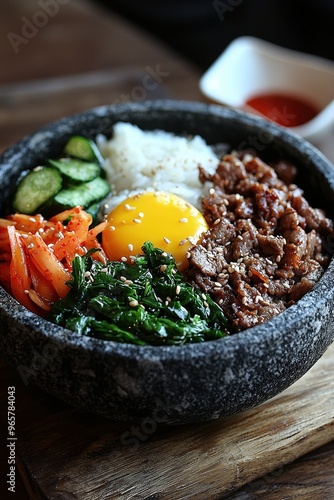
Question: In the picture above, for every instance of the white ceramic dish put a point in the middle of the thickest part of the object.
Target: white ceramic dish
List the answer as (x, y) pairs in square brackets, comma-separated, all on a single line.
[(250, 66)]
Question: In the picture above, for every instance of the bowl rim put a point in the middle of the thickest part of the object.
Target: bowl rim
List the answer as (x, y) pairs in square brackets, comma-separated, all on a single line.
[(10, 307)]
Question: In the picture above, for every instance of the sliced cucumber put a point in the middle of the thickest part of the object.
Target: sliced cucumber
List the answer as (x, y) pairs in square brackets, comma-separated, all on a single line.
[(36, 188), (94, 209), (77, 170), (85, 194), (84, 149)]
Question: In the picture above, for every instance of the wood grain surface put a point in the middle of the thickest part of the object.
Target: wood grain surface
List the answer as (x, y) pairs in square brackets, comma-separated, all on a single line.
[(68, 453)]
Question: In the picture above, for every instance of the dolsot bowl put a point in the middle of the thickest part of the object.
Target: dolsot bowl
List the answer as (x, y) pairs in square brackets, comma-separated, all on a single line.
[(173, 384)]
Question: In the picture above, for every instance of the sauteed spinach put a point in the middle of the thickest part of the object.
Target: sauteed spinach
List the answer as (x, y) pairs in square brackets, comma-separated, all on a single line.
[(146, 302)]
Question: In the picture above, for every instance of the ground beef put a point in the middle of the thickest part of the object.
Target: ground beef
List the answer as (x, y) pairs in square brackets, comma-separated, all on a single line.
[(265, 246)]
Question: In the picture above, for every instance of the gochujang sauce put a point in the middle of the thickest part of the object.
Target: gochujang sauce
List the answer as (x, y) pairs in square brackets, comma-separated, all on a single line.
[(283, 109)]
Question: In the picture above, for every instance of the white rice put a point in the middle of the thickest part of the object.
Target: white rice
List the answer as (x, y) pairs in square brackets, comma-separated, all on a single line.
[(137, 160)]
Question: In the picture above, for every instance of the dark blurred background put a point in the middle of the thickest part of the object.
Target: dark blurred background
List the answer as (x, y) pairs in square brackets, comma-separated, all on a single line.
[(201, 29)]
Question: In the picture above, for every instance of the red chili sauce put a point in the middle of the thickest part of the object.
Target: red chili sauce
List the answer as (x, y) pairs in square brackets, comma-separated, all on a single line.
[(286, 110)]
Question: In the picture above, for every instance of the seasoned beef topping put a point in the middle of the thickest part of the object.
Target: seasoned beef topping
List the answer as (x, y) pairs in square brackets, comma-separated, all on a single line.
[(265, 246)]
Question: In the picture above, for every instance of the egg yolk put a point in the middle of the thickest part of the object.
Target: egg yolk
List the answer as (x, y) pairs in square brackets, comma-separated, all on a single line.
[(168, 221)]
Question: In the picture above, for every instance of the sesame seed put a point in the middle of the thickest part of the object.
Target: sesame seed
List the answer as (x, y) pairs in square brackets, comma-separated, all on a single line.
[(26, 291), (227, 244), (134, 303), (124, 259), (41, 230), (112, 228), (278, 258), (128, 207), (164, 254), (30, 246), (203, 296), (239, 237), (141, 215), (122, 278), (87, 274), (32, 219), (217, 221), (25, 236), (163, 268), (166, 240), (178, 290), (128, 282), (219, 285), (183, 242), (183, 220), (137, 221), (212, 191), (237, 196), (130, 247), (206, 304), (188, 255), (104, 270)]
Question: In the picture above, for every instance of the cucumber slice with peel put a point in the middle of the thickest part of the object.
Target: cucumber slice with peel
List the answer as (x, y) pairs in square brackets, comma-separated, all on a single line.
[(84, 194), (76, 170), (84, 149), (36, 188)]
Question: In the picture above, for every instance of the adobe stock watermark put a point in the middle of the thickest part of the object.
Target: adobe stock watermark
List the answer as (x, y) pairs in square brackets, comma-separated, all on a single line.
[(153, 77), (31, 27), (226, 6), (138, 433), (150, 81), (256, 141)]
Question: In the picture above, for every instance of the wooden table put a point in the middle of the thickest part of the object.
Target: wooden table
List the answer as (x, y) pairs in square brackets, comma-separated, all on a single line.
[(79, 57)]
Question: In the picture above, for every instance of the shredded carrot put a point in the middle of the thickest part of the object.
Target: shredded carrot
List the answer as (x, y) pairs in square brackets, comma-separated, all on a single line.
[(36, 254), (19, 274)]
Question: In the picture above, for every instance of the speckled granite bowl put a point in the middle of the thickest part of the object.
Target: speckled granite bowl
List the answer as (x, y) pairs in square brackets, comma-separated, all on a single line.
[(173, 384)]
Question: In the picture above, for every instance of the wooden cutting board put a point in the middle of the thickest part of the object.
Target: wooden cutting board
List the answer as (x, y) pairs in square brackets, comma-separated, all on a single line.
[(66, 453)]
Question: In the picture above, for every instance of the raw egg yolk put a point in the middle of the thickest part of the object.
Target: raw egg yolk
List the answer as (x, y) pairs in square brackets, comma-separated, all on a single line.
[(168, 221)]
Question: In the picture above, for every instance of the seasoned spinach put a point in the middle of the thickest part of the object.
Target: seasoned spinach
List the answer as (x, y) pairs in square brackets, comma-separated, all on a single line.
[(146, 302)]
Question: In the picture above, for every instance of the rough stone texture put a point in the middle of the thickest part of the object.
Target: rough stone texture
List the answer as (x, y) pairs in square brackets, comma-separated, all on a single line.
[(173, 384)]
